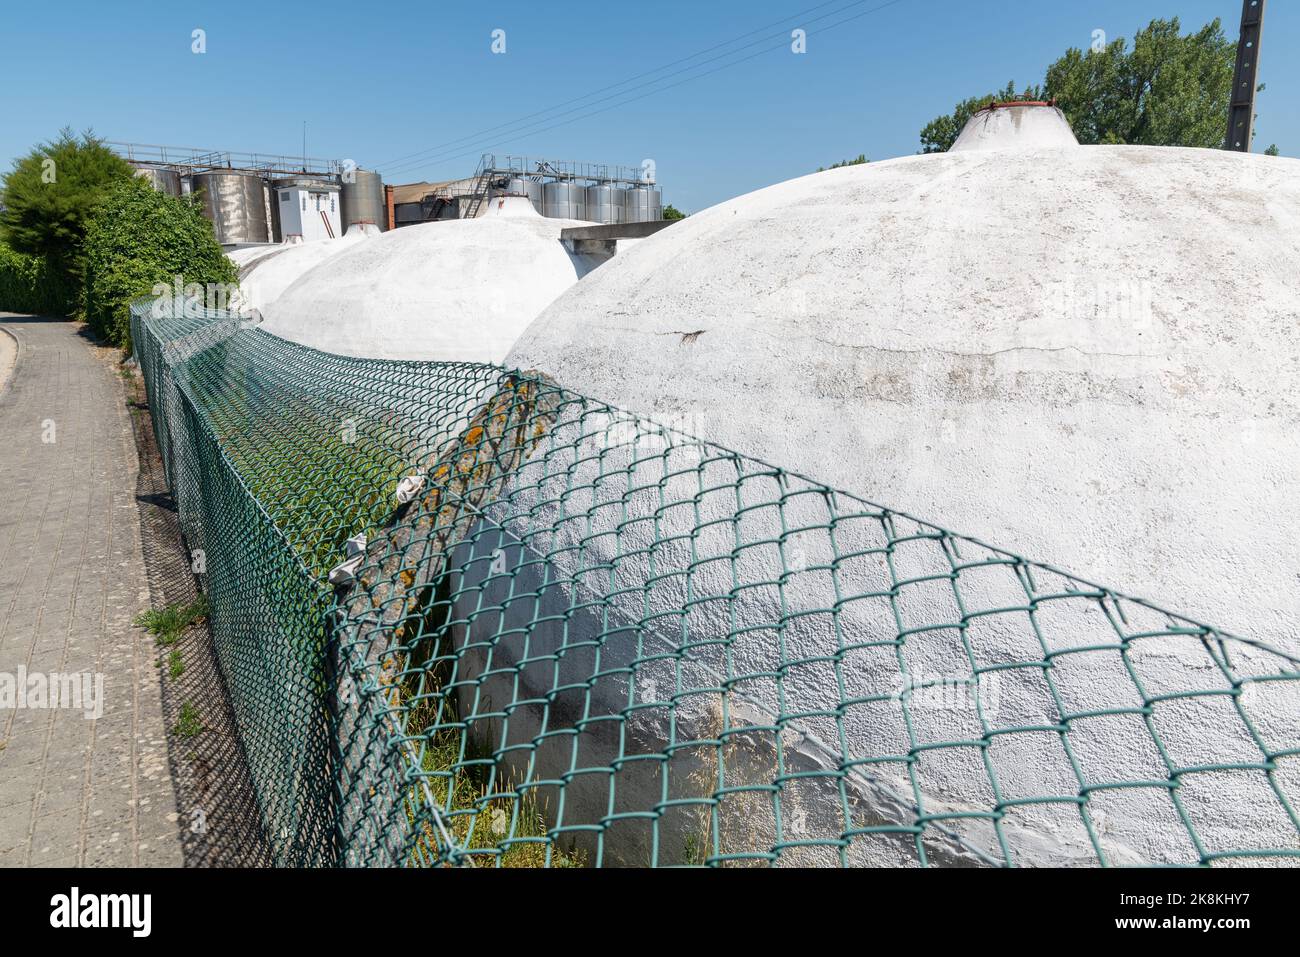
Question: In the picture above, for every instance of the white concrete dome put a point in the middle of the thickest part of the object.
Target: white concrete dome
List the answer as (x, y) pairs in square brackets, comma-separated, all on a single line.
[(264, 276), (1089, 355), (460, 290), (244, 255)]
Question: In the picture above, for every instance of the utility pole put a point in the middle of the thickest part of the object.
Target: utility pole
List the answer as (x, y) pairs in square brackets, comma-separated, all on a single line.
[(1241, 111)]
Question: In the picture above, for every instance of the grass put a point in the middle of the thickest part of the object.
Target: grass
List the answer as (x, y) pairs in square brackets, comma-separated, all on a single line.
[(475, 821), (175, 664), (189, 724), (317, 489), (167, 624), (694, 856)]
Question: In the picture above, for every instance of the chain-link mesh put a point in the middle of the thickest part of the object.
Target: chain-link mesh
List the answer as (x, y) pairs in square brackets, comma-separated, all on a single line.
[(589, 640)]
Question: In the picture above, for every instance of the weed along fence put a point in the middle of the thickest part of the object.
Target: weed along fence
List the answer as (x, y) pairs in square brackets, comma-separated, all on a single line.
[(580, 639)]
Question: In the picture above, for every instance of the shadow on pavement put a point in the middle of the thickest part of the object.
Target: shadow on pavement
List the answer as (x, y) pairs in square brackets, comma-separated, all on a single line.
[(220, 822)]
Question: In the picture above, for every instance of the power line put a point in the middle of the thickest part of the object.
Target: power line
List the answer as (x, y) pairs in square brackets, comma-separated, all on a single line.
[(585, 96), (546, 125)]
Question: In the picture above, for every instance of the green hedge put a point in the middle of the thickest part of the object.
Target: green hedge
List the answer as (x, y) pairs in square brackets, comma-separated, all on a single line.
[(30, 284), (138, 239)]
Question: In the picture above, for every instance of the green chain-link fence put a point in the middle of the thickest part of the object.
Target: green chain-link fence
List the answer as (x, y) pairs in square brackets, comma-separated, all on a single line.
[(589, 640)]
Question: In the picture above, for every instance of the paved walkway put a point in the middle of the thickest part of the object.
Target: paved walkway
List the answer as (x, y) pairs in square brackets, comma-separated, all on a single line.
[(75, 791)]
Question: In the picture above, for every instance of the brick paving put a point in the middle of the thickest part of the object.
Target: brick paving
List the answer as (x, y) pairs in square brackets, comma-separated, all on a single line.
[(75, 791)]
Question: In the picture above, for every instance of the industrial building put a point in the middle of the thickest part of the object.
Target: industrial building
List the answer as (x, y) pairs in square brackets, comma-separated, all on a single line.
[(284, 220), (308, 210), (256, 198), (558, 189)]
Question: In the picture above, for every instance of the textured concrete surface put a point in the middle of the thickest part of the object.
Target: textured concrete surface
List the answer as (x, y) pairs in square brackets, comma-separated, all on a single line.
[(1085, 354), (75, 791), (264, 276), (1088, 355), (460, 290)]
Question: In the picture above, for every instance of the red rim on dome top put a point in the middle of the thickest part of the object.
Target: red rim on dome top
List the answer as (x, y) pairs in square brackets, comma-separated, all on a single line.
[(1003, 105)]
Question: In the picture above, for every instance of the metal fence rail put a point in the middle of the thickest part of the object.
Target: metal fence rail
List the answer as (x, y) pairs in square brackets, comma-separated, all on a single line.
[(587, 640)]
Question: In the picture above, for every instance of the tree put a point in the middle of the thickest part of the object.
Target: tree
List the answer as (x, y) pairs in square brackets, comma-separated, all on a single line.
[(1273, 151), (49, 196), (139, 238), (672, 212), (1169, 90), (862, 158)]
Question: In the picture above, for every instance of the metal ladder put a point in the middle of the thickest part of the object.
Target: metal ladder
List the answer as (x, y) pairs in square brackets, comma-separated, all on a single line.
[(482, 179)]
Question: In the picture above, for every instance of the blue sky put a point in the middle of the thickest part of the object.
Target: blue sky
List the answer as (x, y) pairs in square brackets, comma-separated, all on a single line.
[(381, 80)]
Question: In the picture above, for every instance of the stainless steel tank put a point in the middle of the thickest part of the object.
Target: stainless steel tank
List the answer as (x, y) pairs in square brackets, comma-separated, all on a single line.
[(235, 202), (562, 200), (604, 204), (642, 204), (363, 200), (164, 180)]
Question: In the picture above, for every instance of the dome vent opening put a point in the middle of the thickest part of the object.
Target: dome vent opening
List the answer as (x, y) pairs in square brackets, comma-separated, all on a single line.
[(1018, 124)]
